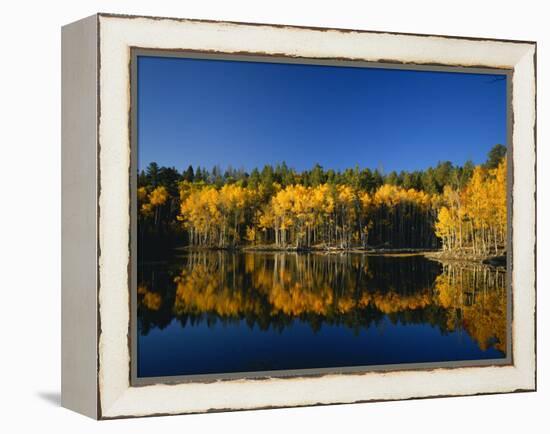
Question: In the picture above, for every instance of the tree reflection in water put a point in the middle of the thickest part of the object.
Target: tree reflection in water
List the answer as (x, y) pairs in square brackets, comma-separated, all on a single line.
[(272, 290)]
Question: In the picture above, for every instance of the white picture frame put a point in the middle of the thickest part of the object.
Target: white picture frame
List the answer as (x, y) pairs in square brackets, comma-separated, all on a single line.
[(96, 253)]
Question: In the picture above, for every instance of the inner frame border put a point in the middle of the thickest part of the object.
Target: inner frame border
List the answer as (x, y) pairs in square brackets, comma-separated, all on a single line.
[(136, 52)]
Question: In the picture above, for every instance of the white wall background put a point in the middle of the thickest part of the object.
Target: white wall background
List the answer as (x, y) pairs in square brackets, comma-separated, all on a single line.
[(30, 215)]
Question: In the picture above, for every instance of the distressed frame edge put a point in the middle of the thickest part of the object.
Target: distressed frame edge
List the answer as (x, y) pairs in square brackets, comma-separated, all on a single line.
[(305, 27), (136, 381), (528, 388)]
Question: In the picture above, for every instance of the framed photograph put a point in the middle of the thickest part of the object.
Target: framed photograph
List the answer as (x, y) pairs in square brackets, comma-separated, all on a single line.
[(262, 216)]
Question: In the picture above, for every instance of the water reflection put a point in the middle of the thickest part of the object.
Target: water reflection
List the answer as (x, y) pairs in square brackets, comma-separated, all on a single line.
[(271, 291), (474, 298)]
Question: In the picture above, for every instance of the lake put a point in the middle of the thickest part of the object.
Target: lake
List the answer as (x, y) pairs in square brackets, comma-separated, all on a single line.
[(215, 312)]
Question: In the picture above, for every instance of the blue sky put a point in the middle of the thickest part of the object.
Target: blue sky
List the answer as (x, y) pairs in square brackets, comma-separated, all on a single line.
[(248, 114)]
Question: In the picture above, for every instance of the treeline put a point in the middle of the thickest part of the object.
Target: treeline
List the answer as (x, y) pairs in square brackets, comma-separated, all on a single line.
[(325, 208)]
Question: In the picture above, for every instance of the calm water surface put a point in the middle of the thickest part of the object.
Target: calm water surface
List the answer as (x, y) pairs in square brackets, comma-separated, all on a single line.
[(214, 312)]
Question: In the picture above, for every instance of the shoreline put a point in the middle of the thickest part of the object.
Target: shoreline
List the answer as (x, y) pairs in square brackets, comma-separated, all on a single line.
[(314, 249), (497, 261)]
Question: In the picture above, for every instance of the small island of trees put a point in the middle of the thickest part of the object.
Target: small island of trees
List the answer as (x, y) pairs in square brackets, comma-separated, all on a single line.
[(459, 209)]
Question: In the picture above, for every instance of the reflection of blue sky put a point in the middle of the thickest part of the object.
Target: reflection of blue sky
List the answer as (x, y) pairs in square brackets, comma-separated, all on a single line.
[(244, 114), (219, 348)]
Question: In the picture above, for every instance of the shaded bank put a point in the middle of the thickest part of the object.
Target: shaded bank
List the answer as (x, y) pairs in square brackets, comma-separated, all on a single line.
[(461, 257), (437, 255)]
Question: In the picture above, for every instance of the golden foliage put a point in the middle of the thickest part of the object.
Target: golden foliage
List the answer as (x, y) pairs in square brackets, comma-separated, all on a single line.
[(475, 217), (481, 312), (296, 215), (213, 217), (470, 298), (150, 201), (151, 300)]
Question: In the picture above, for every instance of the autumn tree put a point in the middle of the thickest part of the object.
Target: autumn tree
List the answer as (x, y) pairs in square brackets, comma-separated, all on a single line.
[(474, 217), (460, 208)]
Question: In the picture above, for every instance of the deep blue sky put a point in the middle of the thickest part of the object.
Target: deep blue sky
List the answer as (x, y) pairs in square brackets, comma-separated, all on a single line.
[(247, 114)]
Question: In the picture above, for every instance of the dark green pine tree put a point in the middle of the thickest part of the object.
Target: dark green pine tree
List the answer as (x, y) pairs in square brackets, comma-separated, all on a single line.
[(189, 174), (496, 154)]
